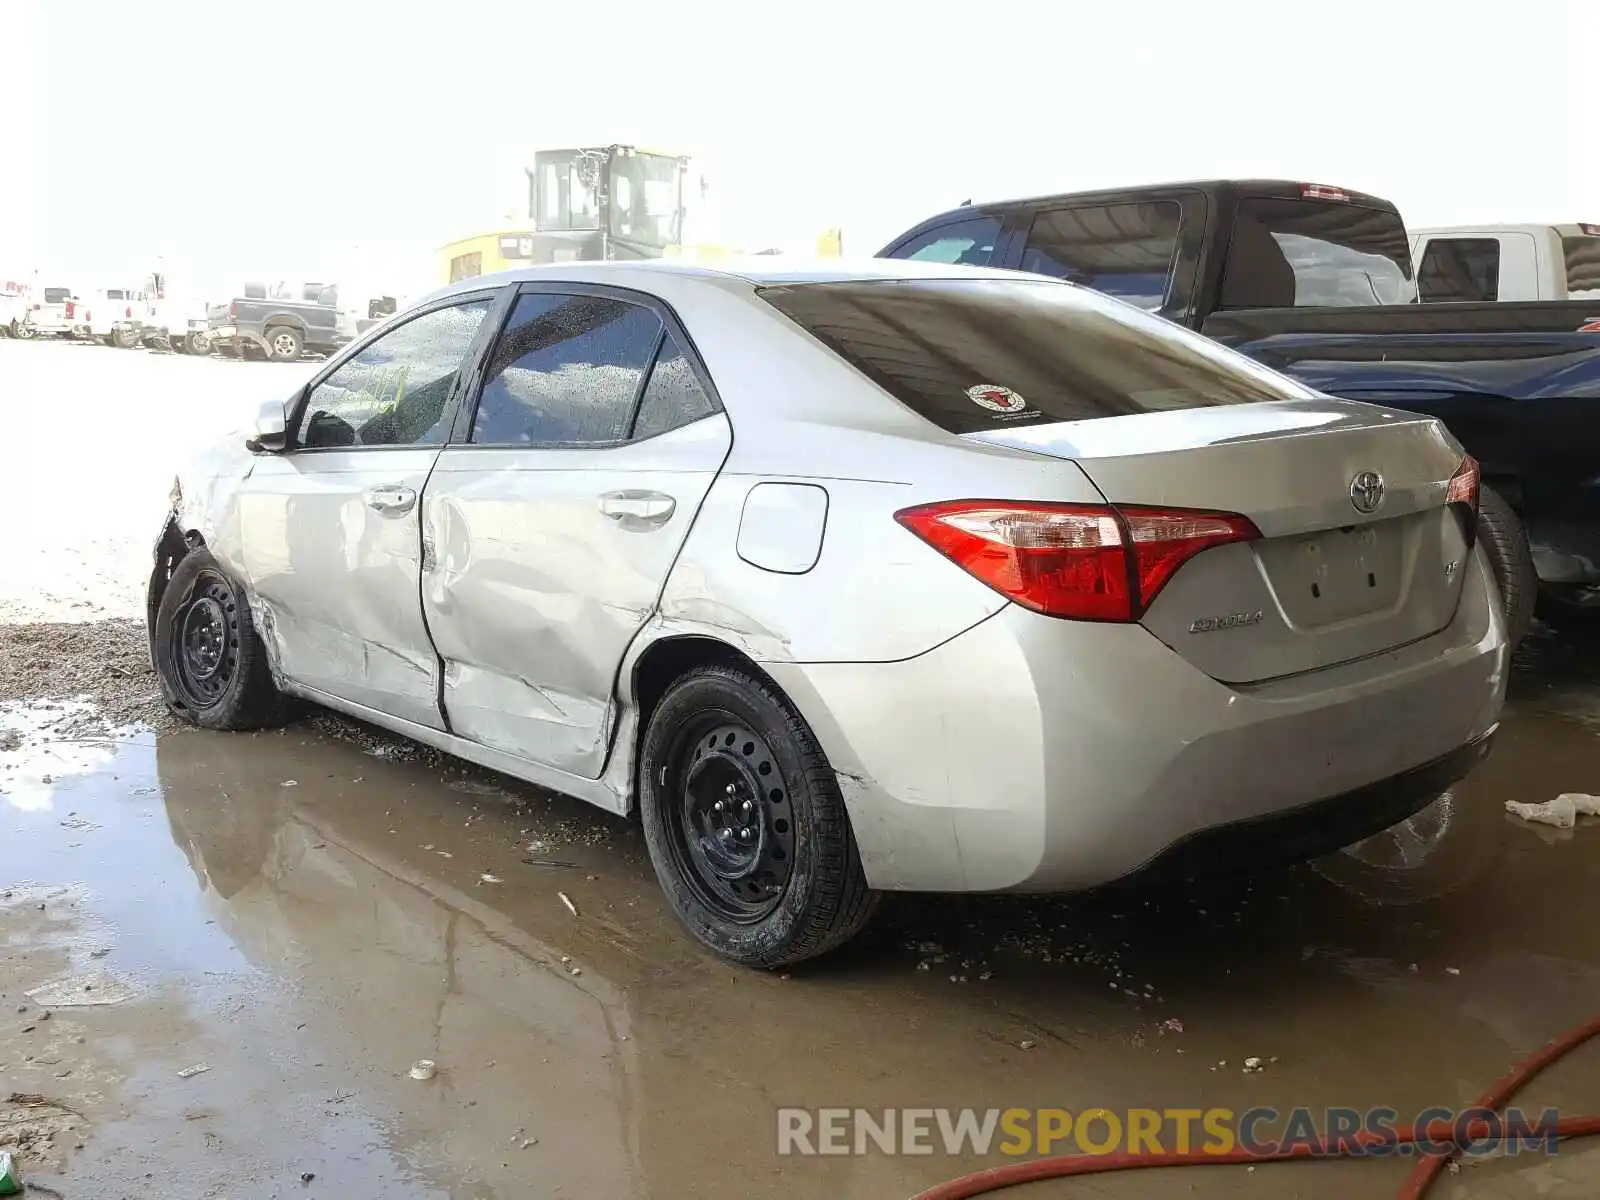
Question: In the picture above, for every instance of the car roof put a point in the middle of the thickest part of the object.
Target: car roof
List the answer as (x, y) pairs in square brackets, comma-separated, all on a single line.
[(760, 271)]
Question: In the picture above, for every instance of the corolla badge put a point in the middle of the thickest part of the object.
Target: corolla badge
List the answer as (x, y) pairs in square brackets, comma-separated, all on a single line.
[(1366, 491)]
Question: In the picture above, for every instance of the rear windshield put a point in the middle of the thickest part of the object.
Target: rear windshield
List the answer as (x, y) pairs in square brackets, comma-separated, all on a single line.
[(57, 295), (1582, 252), (976, 354), (1316, 254)]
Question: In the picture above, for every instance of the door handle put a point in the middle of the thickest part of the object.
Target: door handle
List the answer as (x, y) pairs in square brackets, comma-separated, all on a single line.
[(390, 499), (638, 510)]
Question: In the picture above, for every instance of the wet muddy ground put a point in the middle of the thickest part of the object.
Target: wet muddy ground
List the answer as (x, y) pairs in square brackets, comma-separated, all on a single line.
[(305, 913)]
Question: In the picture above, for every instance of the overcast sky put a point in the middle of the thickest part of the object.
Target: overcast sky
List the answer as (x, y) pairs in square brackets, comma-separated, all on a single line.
[(271, 138)]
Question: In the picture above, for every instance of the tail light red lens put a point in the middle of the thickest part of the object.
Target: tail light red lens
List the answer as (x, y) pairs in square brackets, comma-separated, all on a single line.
[(1081, 561), (127, 313), (1464, 484), (233, 311), (71, 308)]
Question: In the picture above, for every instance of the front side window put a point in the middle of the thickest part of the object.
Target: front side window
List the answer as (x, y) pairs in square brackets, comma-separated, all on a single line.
[(1455, 269), (970, 242), (394, 392), (566, 371), (976, 354), (1123, 250), (1316, 254)]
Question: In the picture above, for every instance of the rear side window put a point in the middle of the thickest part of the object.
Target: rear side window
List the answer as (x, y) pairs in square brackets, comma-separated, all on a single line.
[(970, 242), (1123, 250), (1459, 269), (1582, 254), (1316, 254), (566, 371), (57, 295), (971, 355), (674, 395)]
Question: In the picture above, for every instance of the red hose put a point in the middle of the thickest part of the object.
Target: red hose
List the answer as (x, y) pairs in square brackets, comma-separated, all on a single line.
[(995, 1179)]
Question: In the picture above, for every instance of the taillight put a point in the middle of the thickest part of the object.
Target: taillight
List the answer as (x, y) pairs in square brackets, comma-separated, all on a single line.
[(1463, 487), (233, 311), (1087, 562), (127, 312), (70, 309)]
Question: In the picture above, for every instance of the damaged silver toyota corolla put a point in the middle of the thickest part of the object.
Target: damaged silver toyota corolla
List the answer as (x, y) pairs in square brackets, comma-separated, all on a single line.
[(901, 577)]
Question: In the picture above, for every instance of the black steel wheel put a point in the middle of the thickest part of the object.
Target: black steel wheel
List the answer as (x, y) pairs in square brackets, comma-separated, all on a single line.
[(745, 823), (211, 662), (731, 824), (206, 641)]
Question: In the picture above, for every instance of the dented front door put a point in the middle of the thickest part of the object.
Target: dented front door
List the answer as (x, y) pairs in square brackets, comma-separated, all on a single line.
[(331, 528)]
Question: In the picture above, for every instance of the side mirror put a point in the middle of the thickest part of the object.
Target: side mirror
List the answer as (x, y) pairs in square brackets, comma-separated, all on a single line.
[(272, 429)]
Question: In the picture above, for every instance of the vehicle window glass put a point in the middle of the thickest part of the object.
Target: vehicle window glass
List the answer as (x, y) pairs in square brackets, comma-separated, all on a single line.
[(1459, 269), (1311, 253), (1582, 254), (970, 242), (673, 396), (114, 294), (566, 371), (57, 295), (975, 354), (1123, 250), (394, 392)]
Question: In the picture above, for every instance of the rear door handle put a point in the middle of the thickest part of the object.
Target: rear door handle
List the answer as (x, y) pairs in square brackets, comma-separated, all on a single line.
[(390, 499), (638, 510)]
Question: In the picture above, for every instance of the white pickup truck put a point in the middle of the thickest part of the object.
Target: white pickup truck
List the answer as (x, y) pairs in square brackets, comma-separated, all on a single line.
[(1507, 262)]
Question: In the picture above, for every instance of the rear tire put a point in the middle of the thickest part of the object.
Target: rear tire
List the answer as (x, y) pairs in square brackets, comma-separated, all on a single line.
[(786, 883), (284, 344), (211, 662), (1506, 543), (197, 344), (22, 332), (123, 339)]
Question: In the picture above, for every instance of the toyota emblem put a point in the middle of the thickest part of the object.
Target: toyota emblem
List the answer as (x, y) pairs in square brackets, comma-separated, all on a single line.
[(1366, 491)]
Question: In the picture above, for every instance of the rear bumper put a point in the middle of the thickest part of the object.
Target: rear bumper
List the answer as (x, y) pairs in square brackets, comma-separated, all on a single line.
[(1320, 827), (1036, 755)]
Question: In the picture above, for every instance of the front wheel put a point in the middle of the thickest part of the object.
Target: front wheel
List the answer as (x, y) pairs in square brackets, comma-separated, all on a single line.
[(745, 824), (21, 332), (123, 338), (211, 661), (196, 343)]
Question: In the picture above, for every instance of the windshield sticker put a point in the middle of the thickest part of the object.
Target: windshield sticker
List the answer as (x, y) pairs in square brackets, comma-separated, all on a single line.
[(996, 398)]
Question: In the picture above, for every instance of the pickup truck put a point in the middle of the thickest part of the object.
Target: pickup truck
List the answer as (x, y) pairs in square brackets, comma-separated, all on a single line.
[(1507, 262), (277, 324), (117, 317), (1316, 282), (49, 312)]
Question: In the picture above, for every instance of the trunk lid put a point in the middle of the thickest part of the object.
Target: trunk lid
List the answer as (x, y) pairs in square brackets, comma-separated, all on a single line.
[(1327, 582)]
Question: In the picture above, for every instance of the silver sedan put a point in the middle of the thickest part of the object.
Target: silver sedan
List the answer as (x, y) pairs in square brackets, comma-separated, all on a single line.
[(850, 580)]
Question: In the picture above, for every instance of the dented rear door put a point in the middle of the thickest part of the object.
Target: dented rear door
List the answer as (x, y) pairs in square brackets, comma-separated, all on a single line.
[(550, 528)]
